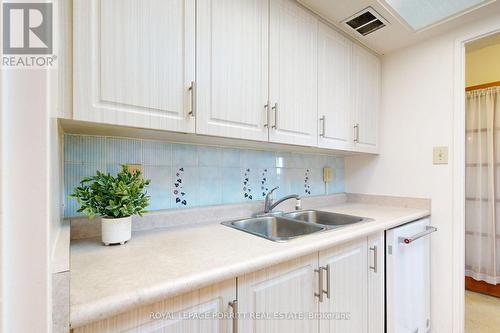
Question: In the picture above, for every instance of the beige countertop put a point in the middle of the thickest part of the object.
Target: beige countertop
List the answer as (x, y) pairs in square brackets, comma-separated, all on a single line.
[(161, 263)]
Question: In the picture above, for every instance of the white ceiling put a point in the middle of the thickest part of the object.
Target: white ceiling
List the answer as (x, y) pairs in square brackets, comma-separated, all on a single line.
[(398, 33)]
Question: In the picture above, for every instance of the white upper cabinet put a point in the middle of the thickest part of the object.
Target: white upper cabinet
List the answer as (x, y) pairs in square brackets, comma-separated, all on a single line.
[(334, 103), (134, 61), (293, 74), (266, 70), (366, 99), (232, 68)]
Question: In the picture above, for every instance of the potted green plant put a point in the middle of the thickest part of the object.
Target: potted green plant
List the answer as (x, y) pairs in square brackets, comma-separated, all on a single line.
[(115, 199)]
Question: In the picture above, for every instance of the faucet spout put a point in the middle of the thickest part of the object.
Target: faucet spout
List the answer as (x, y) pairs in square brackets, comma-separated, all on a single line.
[(291, 196), (269, 205)]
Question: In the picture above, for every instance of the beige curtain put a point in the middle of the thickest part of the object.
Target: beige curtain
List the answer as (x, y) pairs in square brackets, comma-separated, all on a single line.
[(482, 227)]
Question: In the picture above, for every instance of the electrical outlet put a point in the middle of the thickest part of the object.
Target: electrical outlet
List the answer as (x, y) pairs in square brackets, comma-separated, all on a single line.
[(440, 155), (135, 167), (327, 175)]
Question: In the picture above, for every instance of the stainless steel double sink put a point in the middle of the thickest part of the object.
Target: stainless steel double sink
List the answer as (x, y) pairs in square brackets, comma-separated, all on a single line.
[(294, 224)]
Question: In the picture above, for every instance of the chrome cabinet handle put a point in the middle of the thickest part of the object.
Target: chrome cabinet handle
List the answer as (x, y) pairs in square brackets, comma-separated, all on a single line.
[(323, 126), (275, 108), (192, 90), (408, 240), (266, 123), (234, 306), (321, 290), (328, 289), (319, 294), (356, 133), (374, 267)]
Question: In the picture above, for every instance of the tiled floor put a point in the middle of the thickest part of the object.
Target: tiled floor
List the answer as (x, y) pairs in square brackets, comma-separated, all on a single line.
[(482, 313)]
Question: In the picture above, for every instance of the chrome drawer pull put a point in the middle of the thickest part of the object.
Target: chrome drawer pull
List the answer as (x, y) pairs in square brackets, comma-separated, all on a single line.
[(408, 240)]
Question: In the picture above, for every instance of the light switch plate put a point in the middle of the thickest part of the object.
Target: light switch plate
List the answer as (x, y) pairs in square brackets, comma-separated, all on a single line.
[(440, 155)]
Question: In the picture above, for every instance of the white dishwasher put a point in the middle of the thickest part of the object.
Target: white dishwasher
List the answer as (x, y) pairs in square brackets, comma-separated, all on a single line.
[(408, 277)]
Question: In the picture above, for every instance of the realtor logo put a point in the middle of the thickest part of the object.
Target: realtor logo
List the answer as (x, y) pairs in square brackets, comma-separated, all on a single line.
[(27, 30)]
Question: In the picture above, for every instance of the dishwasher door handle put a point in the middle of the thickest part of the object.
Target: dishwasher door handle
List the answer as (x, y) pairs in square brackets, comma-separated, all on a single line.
[(408, 240)]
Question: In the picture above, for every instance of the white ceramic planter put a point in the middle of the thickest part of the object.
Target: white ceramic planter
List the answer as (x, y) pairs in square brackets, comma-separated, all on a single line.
[(116, 231)]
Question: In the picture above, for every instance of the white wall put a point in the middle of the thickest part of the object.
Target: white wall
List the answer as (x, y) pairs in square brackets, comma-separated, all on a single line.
[(30, 193), (417, 114), (2, 265), (25, 215), (60, 103)]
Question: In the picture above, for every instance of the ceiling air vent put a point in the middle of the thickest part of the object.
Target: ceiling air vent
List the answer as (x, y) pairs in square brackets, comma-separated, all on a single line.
[(366, 21)]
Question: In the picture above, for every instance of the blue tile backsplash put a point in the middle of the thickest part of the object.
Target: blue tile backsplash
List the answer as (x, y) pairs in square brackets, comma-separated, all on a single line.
[(184, 175)]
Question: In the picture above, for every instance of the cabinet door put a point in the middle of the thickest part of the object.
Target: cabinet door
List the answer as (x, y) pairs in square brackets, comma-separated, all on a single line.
[(293, 74), (134, 62), (348, 299), (180, 314), (278, 291), (376, 283), (366, 99), (232, 63), (334, 104)]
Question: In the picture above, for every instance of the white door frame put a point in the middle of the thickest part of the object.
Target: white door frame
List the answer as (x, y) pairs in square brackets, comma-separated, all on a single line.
[(458, 152)]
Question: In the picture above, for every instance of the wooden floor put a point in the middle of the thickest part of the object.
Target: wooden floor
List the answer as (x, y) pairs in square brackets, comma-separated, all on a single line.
[(482, 313)]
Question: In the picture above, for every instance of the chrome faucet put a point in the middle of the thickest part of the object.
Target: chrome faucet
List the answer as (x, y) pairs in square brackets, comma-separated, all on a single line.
[(269, 203)]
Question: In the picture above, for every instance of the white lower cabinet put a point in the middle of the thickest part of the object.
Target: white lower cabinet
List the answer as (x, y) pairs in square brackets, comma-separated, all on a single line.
[(347, 282), (175, 315), (280, 290), (338, 290), (376, 283), (354, 299), (341, 287)]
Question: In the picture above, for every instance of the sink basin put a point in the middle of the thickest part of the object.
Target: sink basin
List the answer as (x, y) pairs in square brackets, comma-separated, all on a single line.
[(332, 220), (275, 228)]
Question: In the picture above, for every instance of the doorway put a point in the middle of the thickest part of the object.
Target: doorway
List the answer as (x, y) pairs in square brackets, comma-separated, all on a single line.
[(482, 185)]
